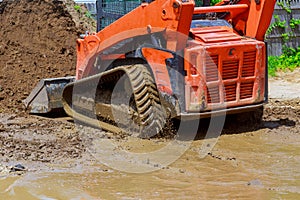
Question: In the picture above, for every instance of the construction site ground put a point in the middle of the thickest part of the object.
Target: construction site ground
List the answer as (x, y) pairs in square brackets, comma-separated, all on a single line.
[(246, 163)]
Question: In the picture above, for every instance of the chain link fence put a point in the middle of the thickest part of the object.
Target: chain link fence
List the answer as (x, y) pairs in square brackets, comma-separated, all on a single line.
[(111, 10)]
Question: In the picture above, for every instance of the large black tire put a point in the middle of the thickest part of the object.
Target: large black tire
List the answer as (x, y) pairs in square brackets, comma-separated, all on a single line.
[(151, 113)]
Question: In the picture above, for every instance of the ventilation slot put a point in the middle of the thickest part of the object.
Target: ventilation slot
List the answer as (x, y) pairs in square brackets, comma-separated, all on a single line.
[(211, 68), (213, 94), (248, 68), (230, 69), (246, 90), (230, 92)]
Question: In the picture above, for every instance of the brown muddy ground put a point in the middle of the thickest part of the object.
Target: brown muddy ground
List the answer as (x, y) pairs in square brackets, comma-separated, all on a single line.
[(245, 163), (51, 140)]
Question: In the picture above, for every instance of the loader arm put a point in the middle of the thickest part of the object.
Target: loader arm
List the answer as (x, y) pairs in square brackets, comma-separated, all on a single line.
[(172, 16)]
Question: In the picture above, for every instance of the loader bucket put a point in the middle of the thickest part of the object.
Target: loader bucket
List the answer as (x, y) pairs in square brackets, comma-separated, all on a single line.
[(47, 95)]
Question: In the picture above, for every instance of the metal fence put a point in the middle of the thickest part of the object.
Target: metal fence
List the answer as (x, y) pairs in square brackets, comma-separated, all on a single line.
[(274, 39), (111, 10), (108, 11)]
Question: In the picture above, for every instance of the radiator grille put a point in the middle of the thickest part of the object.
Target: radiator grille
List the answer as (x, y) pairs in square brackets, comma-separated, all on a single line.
[(233, 73), (213, 95), (211, 68), (230, 69), (248, 68), (230, 92), (246, 90)]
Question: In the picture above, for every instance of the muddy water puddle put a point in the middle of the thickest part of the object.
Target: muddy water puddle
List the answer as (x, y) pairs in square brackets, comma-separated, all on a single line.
[(263, 164)]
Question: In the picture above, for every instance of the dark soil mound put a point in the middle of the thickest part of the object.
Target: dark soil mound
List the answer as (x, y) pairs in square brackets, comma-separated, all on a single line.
[(37, 40)]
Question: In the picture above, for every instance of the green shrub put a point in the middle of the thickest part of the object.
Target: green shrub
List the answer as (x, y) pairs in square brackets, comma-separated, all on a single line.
[(77, 8), (199, 3), (88, 14), (214, 2), (289, 60)]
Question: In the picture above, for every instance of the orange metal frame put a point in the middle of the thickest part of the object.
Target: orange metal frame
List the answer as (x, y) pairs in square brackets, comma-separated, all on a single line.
[(173, 18)]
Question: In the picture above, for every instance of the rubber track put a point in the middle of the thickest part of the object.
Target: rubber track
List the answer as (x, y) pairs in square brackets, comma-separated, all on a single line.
[(151, 115)]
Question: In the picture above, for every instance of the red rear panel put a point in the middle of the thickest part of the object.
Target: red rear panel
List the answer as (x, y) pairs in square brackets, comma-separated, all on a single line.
[(223, 72)]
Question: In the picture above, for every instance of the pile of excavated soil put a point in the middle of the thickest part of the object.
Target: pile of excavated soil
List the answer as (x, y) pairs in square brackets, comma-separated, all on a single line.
[(37, 40)]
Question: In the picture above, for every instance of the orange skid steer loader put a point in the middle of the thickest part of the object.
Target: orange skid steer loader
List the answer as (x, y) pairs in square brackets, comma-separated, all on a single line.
[(165, 59)]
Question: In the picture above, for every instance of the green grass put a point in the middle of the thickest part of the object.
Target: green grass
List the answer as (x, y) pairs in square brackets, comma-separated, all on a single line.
[(212, 2), (88, 14), (289, 60), (77, 8)]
